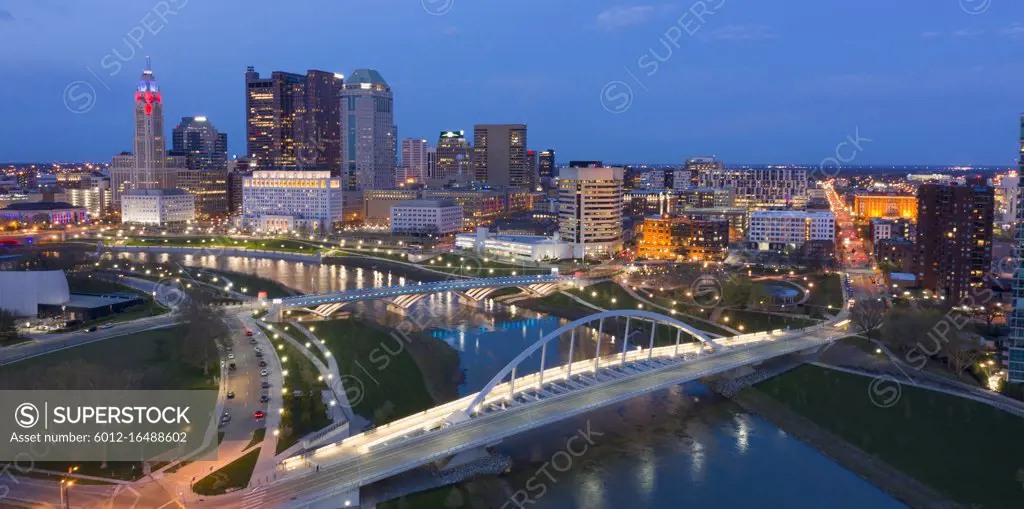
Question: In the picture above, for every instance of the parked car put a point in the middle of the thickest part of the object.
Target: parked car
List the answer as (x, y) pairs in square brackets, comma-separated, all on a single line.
[(231, 394), (263, 364), (264, 372), (232, 366), (265, 384), (264, 399), (259, 354)]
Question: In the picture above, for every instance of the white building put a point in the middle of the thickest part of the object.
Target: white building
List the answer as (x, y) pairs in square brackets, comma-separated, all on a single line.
[(1008, 198), (778, 229), (414, 162), (289, 200), (590, 210), (760, 187), (158, 206), (515, 248), (426, 218)]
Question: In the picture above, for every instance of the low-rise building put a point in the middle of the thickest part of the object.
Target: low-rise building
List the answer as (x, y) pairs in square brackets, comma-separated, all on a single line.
[(643, 203), (158, 207), (704, 198), (736, 216), (377, 203), (684, 239), (521, 248), (44, 212), (426, 218), (867, 206), (785, 230), (895, 252)]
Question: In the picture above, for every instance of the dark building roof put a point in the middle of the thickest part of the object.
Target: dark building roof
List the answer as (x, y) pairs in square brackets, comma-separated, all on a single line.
[(41, 205)]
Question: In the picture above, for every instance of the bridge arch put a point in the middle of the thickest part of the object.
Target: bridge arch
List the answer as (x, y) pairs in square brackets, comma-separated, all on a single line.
[(541, 344)]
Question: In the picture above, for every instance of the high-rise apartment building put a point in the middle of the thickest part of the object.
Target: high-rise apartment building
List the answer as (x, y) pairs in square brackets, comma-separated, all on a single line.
[(759, 187), (205, 174), (453, 155), (368, 132), (499, 155), (590, 210), (954, 237), (532, 167), (689, 175), (413, 169), (1014, 359), (292, 120)]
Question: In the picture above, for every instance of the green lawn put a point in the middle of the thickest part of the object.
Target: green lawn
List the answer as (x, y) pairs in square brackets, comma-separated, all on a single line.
[(827, 291), (302, 414), (609, 295), (109, 365), (753, 321), (218, 242), (380, 386), (233, 476), (967, 450)]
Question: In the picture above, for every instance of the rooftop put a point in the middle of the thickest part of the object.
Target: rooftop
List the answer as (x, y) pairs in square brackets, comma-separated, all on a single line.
[(156, 192), (41, 205), (426, 203), (366, 76)]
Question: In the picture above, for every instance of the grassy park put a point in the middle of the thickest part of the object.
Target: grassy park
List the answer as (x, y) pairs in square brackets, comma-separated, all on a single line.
[(924, 433), (381, 386), (231, 477), (304, 408)]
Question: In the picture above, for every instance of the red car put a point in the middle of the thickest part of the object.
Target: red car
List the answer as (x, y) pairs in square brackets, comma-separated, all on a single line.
[(259, 414), (248, 333)]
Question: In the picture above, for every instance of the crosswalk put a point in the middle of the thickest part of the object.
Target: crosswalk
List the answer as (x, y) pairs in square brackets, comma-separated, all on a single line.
[(253, 498)]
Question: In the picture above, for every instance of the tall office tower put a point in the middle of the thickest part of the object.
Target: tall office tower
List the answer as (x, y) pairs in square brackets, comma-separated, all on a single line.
[(148, 169), (431, 162), (150, 146), (954, 237), (204, 147), (238, 169), (205, 169), (368, 132), (292, 119), (532, 168), (414, 162), (499, 155), (546, 165), (453, 155), (318, 122), (1015, 352), (590, 210)]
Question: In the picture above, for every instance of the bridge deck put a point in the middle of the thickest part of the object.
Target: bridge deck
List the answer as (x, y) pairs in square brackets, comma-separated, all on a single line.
[(395, 291), (357, 468)]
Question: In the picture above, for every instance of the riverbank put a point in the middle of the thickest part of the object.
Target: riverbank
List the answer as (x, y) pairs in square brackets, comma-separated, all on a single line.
[(880, 474)]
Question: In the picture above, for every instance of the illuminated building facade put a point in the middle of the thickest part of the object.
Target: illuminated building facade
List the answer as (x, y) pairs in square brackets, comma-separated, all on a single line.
[(499, 156), (453, 155), (292, 120), (590, 210), (422, 218), (641, 203), (206, 173), (158, 207), (377, 203), (683, 239), (291, 200), (479, 205), (954, 237), (413, 169), (1014, 356), (759, 187), (782, 230), (885, 206), (368, 148)]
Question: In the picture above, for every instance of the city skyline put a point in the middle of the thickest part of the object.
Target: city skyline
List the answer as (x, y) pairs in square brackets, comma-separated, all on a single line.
[(772, 87)]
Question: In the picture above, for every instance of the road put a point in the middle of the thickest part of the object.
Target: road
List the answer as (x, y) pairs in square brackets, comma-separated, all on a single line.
[(851, 247)]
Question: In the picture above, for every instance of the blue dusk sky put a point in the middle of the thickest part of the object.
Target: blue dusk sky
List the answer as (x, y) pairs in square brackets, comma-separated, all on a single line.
[(749, 81)]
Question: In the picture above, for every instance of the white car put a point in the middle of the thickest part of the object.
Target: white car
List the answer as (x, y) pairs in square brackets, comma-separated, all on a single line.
[(264, 372), (231, 356)]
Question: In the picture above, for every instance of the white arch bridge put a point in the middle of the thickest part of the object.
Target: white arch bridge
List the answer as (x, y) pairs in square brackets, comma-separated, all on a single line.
[(400, 298), (605, 364)]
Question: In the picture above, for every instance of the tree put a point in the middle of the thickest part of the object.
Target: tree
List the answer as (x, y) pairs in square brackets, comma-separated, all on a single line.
[(204, 328), (868, 315), (960, 351), (8, 329)]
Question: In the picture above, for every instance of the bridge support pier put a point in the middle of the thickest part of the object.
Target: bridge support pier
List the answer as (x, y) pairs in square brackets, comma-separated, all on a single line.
[(463, 458)]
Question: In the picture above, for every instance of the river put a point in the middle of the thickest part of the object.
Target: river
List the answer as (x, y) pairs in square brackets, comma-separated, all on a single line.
[(681, 447)]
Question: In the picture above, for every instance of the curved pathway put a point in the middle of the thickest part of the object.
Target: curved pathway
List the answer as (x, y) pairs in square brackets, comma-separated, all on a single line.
[(672, 311)]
